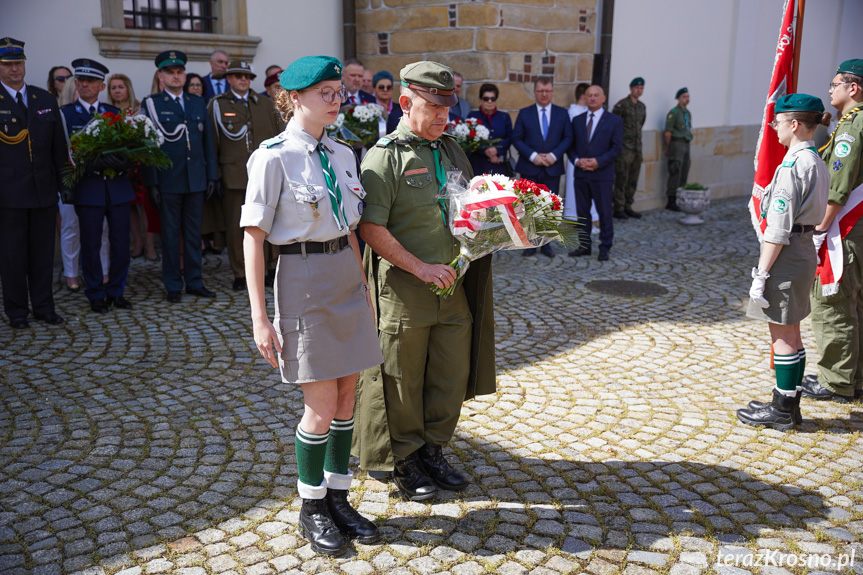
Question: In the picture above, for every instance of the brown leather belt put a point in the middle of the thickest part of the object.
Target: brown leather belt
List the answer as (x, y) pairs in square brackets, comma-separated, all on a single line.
[(330, 247)]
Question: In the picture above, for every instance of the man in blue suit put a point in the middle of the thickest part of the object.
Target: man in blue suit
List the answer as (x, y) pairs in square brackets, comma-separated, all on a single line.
[(98, 198), (542, 135), (352, 78), (215, 82), (179, 191), (597, 141)]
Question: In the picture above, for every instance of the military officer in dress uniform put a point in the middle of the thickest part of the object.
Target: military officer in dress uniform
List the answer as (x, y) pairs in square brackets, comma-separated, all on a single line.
[(32, 153), (98, 198), (678, 134), (179, 191), (437, 351), (837, 313), (628, 164), (241, 120)]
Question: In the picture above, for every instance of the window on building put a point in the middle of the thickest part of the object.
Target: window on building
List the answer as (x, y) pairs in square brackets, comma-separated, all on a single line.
[(182, 15)]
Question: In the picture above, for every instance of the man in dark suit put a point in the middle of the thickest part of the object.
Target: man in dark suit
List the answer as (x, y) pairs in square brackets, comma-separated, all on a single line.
[(597, 141), (542, 135), (98, 197), (352, 77), (32, 152), (214, 82), (179, 191), (462, 109)]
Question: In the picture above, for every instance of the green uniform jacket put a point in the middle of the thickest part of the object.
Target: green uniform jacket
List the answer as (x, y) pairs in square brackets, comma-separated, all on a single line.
[(844, 156), (679, 123), (260, 118), (633, 115), (373, 447)]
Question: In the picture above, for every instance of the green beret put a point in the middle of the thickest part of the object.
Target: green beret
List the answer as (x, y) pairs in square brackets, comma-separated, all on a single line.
[(851, 67), (310, 70), (637, 82), (431, 80), (681, 92), (171, 59), (799, 103)]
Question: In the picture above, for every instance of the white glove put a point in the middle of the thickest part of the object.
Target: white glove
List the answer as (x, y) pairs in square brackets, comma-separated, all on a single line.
[(756, 292), (818, 240)]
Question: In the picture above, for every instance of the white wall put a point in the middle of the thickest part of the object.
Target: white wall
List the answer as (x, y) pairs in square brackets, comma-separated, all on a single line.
[(59, 31)]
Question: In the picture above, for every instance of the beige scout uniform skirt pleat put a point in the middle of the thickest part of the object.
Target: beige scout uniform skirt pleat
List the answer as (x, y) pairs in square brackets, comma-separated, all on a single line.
[(789, 284), (324, 323)]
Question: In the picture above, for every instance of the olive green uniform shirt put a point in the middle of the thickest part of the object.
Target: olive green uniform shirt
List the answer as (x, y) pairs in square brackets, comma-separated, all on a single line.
[(679, 123), (633, 115), (843, 156)]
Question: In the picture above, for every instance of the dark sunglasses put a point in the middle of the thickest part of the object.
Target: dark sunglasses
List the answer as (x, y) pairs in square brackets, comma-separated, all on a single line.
[(487, 99), (385, 88), (61, 78)]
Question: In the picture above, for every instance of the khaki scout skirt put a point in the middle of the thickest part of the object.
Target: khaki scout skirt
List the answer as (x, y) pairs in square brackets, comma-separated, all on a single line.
[(324, 323), (789, 284)]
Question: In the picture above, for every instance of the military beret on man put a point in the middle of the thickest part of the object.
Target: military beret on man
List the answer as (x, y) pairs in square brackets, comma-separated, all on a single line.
[(171, 59), (639, 81), (799, 103), (431, 80), (854, 66), (11, 50), (271, 79), (681, 92), (310, 70), (240, 67), (91, 69)]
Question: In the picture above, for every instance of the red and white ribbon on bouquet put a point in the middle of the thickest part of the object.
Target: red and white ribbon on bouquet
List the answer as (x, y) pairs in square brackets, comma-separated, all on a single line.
[(496, 197)]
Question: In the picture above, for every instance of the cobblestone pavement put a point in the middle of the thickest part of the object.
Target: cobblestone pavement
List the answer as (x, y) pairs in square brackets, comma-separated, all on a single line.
[(156, 441)]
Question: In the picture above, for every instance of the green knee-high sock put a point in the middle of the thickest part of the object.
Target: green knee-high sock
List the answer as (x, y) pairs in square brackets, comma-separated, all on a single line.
[(786, 373), (311, 450), (801, 355), (339, 446)]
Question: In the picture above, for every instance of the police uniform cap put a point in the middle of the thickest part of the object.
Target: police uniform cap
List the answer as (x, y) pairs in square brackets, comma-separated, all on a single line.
[(681, 92), (11, 50), (87, 68), (171, 59), (431, 80), (854, 66), (310, 70), (799, 103), (639, 81), (240, 67)]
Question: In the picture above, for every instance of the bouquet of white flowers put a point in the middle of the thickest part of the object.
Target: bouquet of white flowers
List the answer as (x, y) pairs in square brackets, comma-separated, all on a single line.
[(358, 123), (470, 134)]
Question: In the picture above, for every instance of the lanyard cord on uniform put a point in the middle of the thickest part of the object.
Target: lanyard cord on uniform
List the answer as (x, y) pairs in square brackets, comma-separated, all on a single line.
[(333, 187), (176, 133), (242, 133), (440, 174), (839, 123)]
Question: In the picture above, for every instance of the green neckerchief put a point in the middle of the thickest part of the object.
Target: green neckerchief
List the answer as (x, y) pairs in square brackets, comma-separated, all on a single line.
[(440, 174), (333, 187)]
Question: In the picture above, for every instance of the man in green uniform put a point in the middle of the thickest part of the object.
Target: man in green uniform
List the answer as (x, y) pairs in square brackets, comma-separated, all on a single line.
[(678, 134), (438, 351), (837, 310), (628, 163), (241, 121)]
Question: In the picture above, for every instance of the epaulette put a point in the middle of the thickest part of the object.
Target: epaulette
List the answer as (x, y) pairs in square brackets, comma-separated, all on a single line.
[(275, 141), (222, 95), (789, 163), (384, 142), (342, 142), (64, 106)]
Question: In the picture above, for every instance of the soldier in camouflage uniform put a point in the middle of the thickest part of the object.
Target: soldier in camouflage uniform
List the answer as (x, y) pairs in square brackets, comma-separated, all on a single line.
[(678, 134), (628, 163)]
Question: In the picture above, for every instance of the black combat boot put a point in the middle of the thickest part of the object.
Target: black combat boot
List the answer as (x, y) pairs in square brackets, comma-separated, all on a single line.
[(412, 479), (671, 205), (798, 417), (317, 526), (779, 413), (439, 469), (348, 520)]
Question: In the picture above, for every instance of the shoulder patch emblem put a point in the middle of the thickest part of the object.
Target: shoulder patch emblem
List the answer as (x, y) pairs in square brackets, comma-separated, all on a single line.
[(780, 206), (842, 149), (846, 137), (271, 142), (383, 142), (788, 163)]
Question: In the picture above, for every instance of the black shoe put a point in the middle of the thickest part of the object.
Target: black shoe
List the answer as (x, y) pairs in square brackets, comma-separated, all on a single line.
[(603, 255), (174, 297), (779, 413), (632, 213), (411, 479), (547, 251), (812, 389), (348, 520), (212, 250), (239, 284), (270, 279), (99, 306), (671, 205), (439, 469), (200, 292), (798, 417), (118, 302), (620, 215), (18, 323), (317, 526), (579, 252), (51, 318), (528, 252)]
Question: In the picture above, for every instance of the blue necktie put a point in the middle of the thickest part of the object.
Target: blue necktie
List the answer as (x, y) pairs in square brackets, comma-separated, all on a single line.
[(544, 123)]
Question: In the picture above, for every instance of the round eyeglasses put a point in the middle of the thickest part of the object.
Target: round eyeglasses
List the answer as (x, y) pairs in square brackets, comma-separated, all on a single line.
[(329, 95)]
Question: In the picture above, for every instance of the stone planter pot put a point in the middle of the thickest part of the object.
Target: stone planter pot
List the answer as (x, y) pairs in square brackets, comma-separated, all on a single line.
[(692, 203)]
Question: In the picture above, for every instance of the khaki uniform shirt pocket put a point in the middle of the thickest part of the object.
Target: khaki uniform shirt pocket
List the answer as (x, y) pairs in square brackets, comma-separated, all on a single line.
[(309, 201)]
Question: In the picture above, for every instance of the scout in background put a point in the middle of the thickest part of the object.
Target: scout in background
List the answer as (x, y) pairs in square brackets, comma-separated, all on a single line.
[(677, 135)]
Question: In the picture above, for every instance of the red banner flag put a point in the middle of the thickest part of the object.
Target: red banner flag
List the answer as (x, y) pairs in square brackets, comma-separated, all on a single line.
[(768, 151)]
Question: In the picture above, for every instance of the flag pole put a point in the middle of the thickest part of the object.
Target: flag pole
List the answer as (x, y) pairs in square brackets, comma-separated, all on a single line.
[(798, 35)]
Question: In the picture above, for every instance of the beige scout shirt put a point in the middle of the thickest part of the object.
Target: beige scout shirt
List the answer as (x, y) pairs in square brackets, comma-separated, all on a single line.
[(797, 194), (287, 193)]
